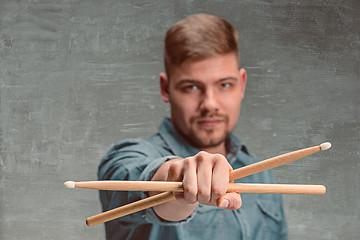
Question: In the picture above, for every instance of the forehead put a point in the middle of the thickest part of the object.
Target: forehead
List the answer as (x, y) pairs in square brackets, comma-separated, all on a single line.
[(213, 68)]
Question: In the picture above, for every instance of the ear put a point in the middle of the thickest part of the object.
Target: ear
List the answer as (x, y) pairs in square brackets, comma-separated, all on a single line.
[(243, 79), (164, 87)]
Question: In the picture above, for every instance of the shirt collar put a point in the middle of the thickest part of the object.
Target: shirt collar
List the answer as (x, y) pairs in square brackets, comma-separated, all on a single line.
[(180, 147)]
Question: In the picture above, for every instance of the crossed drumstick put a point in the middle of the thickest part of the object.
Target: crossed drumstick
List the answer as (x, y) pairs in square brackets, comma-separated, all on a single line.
[(169, 187)]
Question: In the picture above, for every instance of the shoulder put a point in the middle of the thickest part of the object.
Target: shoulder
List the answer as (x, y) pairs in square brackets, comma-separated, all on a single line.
[(131, 149), (148, 147), (131, 157)]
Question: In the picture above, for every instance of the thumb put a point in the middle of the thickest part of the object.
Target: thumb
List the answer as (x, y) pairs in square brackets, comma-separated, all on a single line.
[(230, 201)]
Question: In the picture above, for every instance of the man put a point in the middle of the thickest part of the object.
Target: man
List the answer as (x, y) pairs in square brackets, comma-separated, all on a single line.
[(204, 86)]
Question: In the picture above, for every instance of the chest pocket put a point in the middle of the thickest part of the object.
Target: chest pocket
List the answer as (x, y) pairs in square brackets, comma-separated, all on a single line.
[(271, 218)]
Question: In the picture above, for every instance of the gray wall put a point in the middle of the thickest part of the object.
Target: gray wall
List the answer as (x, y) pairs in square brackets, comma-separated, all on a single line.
[(78, 76)]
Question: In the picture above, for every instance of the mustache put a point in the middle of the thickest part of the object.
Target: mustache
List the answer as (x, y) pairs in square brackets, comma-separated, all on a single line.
[(210, 116)]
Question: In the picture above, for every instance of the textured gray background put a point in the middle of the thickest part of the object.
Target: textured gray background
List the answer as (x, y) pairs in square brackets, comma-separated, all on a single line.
[(78, 76)]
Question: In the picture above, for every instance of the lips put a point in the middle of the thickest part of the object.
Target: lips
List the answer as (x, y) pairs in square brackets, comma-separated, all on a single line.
[(210, 123)]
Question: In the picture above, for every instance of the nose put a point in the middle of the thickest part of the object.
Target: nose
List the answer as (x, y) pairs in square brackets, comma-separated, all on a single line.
[(209, 102)]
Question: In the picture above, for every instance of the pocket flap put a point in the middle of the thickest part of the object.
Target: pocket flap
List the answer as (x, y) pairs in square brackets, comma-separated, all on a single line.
[(270, 208)]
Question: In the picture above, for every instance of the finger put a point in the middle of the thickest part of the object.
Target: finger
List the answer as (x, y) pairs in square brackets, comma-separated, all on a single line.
[(175, 174), (190, 181), (204, 177), (220, 177), (230, 201)]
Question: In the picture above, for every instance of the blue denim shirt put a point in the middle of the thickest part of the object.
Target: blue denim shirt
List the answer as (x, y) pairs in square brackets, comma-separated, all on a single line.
[(260, 217)]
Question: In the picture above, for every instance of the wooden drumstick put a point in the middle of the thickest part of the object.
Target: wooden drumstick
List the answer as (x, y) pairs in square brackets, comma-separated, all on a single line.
[(158, 186), (128, 185), (168, 196)]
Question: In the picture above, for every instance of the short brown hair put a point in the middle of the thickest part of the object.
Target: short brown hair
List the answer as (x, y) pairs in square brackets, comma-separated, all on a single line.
[(199, 37)]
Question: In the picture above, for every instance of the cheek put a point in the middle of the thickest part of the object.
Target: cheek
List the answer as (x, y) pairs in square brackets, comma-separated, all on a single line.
[(232, 108), (183, 108), (186, 104)]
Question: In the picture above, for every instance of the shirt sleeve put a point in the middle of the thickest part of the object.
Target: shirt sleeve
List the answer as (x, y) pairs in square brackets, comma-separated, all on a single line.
[(132, 160)]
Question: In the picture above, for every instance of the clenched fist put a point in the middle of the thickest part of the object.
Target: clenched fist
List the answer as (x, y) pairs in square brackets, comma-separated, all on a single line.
[(205, 179)]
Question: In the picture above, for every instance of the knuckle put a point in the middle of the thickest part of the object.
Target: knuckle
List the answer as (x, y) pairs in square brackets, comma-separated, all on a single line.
[(191, 190), (190, 199), (202, 153), (217, 192), (188, 163), (190, 194), (201, 156), (174, 169), (218, 158), (203, 193)]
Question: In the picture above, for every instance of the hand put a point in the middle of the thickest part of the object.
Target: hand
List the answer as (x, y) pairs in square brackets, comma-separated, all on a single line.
[(205, 179)]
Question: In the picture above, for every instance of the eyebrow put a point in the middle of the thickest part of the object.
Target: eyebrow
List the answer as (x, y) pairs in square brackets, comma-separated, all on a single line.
[(194, 81), (227, 78), (187, 81)]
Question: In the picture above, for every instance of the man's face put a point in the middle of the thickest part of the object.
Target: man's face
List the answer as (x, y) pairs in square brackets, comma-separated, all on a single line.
[(205, 98)]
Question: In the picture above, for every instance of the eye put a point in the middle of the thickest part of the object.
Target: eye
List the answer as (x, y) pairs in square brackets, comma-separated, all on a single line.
[(190, 87), (225, 85)]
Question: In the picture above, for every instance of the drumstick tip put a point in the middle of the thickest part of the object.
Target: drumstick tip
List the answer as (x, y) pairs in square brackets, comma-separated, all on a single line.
[(69, 184), (325, 146)]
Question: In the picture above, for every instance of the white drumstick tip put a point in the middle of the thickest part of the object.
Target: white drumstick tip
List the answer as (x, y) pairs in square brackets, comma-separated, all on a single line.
[(69, 184), (325, 146)]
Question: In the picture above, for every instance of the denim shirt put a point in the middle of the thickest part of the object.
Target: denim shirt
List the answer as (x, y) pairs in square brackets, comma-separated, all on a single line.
[(261, 216)]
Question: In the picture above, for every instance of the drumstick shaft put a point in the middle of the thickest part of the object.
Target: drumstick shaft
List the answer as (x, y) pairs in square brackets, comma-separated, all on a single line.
[(129, 208), (149, 186), (276, 188), (272, 162), (155, 186)]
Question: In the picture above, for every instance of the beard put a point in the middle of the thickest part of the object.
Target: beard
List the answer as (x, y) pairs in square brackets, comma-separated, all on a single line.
[(203, 138)]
